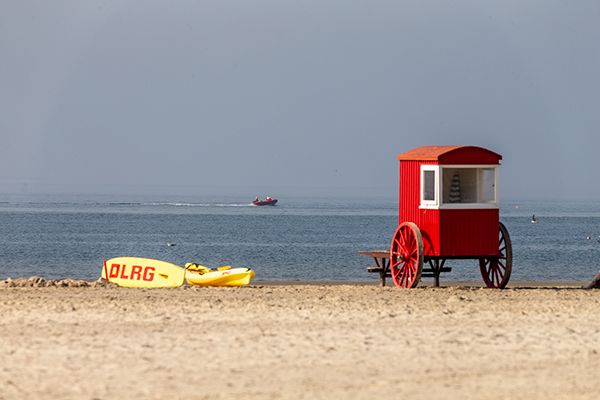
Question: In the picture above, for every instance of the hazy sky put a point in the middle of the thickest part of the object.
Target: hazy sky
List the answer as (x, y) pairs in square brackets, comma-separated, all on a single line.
[(286, 97)]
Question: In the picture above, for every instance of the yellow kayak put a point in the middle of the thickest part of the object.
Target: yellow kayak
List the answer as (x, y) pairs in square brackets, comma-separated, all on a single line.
[(199, 275)]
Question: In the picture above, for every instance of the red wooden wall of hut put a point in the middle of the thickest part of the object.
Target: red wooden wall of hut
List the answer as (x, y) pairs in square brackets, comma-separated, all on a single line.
[(449, 230)]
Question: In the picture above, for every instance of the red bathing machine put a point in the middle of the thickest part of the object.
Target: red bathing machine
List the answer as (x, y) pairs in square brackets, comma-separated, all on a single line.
[(448, 209)]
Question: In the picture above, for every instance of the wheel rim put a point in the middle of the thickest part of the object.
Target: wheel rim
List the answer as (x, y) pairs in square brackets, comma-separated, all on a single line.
[(496, 271), (406, 256)]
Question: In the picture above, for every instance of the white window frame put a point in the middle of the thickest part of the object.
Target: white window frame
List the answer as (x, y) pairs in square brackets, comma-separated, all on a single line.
[(435, 203), (438, 203), (489, 205)]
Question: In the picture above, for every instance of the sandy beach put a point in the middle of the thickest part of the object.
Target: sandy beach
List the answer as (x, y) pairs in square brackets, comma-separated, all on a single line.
[(299, 342)]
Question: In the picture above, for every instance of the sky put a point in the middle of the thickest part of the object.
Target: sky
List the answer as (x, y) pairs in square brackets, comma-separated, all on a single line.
[(294, 97)]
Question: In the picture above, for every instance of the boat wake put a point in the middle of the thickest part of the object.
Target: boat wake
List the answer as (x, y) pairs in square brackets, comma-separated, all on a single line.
[(177, 204)]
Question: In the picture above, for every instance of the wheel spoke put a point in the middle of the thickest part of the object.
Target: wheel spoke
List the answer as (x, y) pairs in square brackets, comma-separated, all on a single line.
[(401, 249), (401, 237), (404, 277), (408, 276), (394, 269), (399, 244), (487, 267), (501, 266), (498, 275), (408, 271), (409, 239)]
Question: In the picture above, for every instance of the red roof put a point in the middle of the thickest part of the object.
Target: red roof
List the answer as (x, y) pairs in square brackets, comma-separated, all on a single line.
[(451, 154)]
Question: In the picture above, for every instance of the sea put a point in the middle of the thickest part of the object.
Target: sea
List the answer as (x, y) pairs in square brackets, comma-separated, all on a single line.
[(299, 240)]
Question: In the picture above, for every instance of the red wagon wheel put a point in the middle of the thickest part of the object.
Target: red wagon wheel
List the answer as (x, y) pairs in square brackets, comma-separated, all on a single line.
[(496, 271), (406, 255)]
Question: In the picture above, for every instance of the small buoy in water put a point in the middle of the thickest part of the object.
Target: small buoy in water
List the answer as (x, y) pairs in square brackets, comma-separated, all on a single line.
[(588, 237), (170, 244)]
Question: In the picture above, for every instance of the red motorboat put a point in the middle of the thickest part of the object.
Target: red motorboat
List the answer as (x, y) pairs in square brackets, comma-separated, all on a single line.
[(268, 201)]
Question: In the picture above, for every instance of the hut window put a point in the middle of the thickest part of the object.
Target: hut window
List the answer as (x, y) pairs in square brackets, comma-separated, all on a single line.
[(487, 185), (429, 185), (468, 185)]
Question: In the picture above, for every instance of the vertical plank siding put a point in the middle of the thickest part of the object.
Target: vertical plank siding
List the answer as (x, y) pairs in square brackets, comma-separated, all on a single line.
[(469, 232), (427, 220)]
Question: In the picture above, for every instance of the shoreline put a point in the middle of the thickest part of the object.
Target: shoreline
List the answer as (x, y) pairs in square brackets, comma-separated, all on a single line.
[(37, 281), (466, 284)]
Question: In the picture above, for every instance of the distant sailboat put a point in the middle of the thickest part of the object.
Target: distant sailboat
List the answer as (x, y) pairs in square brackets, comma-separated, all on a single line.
[(534, 219)]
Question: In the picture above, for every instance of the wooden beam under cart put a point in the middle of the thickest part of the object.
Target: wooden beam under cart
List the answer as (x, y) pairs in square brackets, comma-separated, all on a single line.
[(382, 266)]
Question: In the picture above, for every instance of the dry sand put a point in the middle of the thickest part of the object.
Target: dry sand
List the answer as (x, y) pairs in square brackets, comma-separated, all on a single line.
[(299, 342)]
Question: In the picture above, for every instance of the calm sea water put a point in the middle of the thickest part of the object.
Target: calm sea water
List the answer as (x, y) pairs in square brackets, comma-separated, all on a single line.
[(298, 240)]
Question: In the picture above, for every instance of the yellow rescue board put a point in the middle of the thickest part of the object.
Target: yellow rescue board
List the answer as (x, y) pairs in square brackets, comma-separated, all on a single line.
[(142, 272), (222, 277)]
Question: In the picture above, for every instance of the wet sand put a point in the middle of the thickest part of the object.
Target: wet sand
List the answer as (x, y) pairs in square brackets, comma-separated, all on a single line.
[(299, 342)]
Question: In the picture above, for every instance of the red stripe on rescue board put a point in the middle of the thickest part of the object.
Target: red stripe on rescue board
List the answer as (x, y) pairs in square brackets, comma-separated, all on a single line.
[(106, 272), (114, 270)]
